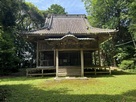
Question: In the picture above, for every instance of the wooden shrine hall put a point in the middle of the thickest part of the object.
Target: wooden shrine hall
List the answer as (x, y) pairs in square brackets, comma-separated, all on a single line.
[(69, 45)]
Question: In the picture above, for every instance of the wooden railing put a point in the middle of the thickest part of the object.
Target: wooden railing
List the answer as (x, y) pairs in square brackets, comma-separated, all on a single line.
[(40, 71), (67, 71), (98, 69)]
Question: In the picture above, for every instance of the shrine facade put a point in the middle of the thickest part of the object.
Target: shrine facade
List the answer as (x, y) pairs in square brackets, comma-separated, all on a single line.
[(69, 44)]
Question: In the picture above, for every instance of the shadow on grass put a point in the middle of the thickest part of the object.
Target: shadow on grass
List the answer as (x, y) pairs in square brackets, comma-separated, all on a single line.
[(10, 78), (27, 93)]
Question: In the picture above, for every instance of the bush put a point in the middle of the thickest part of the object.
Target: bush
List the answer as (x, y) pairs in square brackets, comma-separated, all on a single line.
[(127, 64), (4, 93)]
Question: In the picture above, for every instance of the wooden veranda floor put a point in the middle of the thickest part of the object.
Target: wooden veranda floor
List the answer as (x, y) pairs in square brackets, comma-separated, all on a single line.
[(51, 70)]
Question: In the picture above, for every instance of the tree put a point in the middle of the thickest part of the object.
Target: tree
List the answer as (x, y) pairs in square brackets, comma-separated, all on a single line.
[(9, 12), (17, 16), (8, 58), (132, 16), (31, 17), (8, 19), (112, 14), (55, 9)]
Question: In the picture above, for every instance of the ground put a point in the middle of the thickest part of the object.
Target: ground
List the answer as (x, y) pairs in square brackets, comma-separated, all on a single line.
[(118, 87)]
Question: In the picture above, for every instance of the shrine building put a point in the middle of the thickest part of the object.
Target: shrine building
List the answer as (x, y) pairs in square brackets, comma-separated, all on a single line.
[(69, 45)]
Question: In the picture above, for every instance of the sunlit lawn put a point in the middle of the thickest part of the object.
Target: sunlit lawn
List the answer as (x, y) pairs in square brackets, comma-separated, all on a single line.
[(114, 88)]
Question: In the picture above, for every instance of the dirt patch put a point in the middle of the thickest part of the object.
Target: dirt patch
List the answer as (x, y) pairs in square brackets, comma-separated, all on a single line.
[(69, 83)]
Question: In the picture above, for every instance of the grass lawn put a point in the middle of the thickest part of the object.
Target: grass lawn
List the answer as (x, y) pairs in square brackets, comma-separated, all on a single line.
[(106, 88)]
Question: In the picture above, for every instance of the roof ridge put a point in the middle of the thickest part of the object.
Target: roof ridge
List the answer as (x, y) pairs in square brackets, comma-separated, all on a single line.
[(69, 15), (48, 22)]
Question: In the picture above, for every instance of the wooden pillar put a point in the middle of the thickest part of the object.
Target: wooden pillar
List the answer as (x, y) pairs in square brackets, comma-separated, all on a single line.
[(54, 58), (37, 54), (99, 57), (82, 63), (94, 57), (57, 62)]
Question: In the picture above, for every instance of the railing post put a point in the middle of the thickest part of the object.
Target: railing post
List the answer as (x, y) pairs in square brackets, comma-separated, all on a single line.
[(95, 71), (109, 70), (37, 54), (42, 72)]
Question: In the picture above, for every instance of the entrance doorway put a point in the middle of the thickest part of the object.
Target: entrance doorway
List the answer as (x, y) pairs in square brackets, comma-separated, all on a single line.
[(69, 58)]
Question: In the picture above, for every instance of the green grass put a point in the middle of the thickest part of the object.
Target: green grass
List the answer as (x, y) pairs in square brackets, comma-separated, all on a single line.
[(104, 88)]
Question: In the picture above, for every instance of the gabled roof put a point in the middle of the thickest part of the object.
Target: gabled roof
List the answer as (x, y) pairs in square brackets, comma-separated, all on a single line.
[(58, 27), (68, 24), (64, 24)]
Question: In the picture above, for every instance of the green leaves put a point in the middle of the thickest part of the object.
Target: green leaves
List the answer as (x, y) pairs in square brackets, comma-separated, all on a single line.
[(9, 12), (127, 64), (55, 9), (132, 16), (8, 56), (115, 14), (31, 17)]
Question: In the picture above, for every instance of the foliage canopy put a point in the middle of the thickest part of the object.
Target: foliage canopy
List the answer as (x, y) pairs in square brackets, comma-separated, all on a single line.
[(115, 14), (17, 16)]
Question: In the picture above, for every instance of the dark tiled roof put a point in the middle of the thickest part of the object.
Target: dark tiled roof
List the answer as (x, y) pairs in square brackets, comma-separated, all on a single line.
[(68, 24), (57, 27), (99, 30), (64, 25)]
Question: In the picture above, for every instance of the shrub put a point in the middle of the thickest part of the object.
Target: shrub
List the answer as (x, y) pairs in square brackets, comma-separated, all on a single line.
[(127, 64), (4, 93)]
